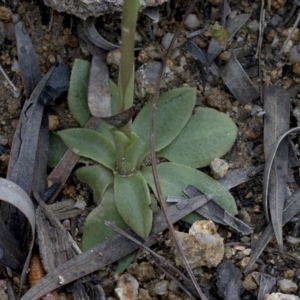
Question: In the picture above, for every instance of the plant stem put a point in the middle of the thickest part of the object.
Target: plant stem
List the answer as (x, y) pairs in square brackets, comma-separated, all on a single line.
[(126, 77), (126, 73)]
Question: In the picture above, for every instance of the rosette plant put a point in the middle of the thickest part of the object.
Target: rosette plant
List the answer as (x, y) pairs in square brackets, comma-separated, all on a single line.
[(187, 138)]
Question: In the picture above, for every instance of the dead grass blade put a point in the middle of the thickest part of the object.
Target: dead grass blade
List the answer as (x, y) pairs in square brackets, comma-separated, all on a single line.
[(292, 207), (237, 80), (236, 177), (276, 122), (28, 161), (107, 252), (95, 37), (229, 282), (266, 284), (27, 58), (214, 212), (99, 97), (16, 196), (22, 158)]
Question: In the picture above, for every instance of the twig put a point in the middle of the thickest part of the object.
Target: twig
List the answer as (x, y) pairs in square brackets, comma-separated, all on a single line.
[(51, 20), (154, 161), (291, 13), (174, 279), (224, 12), (261, 28), (259, 45), (15, 90), (159, 258), (289, 36)]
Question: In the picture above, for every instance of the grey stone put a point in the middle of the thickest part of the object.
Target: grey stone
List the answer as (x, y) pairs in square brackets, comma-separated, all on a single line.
[(219, 168), (146, 77), (94, 8), (249, 283), (192, 21), (287, 286), (127, 287), (161, 287), (142, 272), (279, 296), (203, 246)]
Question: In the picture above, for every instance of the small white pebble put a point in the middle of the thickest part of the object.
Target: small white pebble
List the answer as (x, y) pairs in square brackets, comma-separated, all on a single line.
[(80, 204), (287, 286), (219, 168), (192, 21), (253, 26), (167, 39), (161, 287), (292, 240), (247, 251)]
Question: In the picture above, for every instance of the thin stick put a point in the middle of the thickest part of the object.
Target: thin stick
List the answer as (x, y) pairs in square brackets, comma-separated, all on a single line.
[(224, 8), (291, 13), (159, 258), (261, 28), (51, 20), (154, 161), (15, 90), (174, 279), (289, 36), (259, 45)]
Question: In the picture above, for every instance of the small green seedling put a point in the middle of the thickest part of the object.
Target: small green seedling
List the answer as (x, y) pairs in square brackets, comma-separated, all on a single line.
[(188, 138)]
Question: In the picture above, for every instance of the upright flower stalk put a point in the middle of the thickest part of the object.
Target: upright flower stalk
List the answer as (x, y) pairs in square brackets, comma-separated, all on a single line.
[(126, 73)]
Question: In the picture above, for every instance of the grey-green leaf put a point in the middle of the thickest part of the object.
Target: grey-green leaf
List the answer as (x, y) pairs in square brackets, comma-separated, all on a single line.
[(173, 111), (57, 149), (97, 177), (94, 230), (133, 201), (78, 91), (208, 134), (90, 144), (105, 129), (175, 177)]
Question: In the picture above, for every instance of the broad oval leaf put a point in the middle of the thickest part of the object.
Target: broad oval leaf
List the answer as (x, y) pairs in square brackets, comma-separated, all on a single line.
[(174, 178), (133, 202), (57, 149), (97, 177), (173, 111), (208, 134), (90, 144), (94, 230), (78, 91)]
